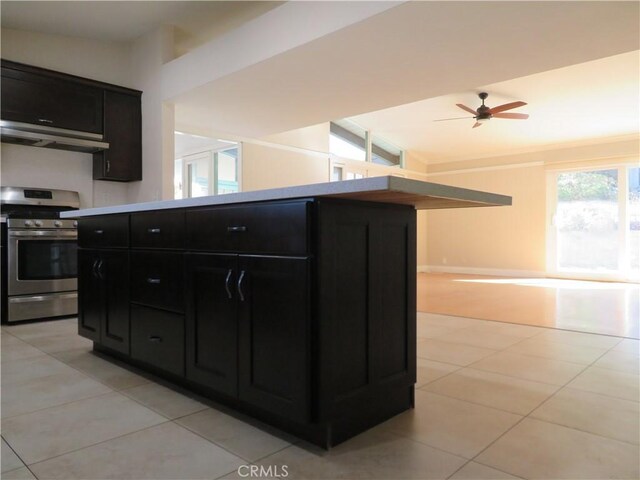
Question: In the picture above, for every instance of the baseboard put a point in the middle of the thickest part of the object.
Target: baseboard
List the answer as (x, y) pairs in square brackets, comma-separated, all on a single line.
[(494, 272)]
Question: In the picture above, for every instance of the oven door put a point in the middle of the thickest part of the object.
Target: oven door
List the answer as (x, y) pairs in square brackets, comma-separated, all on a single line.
[(42, 261)]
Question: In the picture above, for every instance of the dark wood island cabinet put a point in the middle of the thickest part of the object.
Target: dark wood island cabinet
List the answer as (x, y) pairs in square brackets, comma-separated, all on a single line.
[(298, 311)]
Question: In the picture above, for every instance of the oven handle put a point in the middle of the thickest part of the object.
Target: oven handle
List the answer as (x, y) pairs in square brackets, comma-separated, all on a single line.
[(43, 233), (41, 298)]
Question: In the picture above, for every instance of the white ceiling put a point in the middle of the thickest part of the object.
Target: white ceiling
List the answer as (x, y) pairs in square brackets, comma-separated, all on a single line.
[(424, 50), (576, 104), (424, 56)]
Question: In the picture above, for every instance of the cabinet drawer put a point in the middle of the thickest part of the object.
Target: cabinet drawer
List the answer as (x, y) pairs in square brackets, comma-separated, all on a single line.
[(157, 279), (157, 338), (110, 231), (261, 228), (163, 229)]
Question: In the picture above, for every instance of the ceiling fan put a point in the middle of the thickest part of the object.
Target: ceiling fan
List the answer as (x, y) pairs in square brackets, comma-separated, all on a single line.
[(484, 113)]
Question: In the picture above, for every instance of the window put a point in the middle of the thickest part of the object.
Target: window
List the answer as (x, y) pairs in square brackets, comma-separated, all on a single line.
[(350, 141), (595, 223)]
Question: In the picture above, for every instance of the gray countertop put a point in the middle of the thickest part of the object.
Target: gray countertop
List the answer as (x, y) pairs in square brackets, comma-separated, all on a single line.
[(389, 189)]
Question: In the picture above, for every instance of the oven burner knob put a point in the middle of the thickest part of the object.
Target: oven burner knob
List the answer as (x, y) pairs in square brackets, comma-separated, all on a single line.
[(38, 223), (28, 223), (75, 223), (57, 223)]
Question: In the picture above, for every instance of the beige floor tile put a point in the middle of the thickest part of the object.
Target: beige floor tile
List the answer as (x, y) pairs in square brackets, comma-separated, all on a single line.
[(11, 353), (536, 449), (608, 382), (436, 319), (512, 329), (166, 451), (165, 401), (476, 471), (536, 369), (61, 342), (104, 370), (567, 352), (234, 435), (429, 370), (452, 425), (10, 461), (31, 369), (20, 474), (454, 353), (31, 331), (424, 330), (480, 338), (56, 389), (7, 339), (372, 455), (619, 361), (628, 345), (606, 416), (493, 390), (578, 338), (58, 430)]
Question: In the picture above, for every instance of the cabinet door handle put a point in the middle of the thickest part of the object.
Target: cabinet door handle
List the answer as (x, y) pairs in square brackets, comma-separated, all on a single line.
[(99, 269), (108, 166), (240, 292), (98, 232), (239, 228), (153, 281), (155, 339), (45, 120), (227, 281), (94, 269), (153, 230)]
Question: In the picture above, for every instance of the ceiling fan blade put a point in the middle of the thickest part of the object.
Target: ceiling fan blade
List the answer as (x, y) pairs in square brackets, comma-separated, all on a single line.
[(467, 109), (456, 118), (477, 124), (514, 116), (506, 106)]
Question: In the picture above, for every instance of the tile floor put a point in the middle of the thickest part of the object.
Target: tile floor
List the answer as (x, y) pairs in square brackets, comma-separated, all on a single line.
[(494, 401)]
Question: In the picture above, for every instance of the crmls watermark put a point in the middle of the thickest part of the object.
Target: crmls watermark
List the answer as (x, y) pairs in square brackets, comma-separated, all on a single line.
[(261, 471)]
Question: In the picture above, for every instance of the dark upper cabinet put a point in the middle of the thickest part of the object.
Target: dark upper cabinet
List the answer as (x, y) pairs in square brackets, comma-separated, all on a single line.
[(123, 131), (103, 289), (42, 100), (47, 98)]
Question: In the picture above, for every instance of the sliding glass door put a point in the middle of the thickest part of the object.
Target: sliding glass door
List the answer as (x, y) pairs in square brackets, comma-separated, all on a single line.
[(595, 223)]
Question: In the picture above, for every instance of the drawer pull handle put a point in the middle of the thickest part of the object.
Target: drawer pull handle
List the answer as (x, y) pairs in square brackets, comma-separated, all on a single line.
[(45, 120), (227, 282), (155, 339), (237, 229), (98, 232), (153, 281), (99, 270), (240, 292), (153, 230)]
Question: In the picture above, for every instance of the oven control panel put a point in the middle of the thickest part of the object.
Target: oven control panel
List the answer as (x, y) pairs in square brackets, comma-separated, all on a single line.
[(48, 224)]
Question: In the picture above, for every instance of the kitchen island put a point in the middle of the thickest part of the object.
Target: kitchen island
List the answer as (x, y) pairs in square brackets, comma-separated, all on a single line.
[(294, 305)]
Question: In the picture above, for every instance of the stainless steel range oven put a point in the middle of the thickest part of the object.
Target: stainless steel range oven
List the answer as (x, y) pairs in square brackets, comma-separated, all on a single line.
[(41, 254)]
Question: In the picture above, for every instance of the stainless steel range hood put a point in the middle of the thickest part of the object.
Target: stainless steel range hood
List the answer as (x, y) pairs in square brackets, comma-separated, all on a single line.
[(51, 137)]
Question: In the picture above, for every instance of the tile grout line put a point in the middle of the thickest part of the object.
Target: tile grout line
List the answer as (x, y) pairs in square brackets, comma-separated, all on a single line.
[(98, 443), (24, 464)]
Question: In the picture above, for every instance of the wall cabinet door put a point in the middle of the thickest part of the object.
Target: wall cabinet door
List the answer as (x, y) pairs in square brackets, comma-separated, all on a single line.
[(123, 130), (52, 102), (274, 345), (103, 287), (211, 322)]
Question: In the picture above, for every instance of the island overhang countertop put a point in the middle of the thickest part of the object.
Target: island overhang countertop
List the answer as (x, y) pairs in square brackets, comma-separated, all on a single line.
[(387, 189)]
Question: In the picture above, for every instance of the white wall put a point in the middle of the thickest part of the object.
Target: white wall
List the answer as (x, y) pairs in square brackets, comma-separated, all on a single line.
[(47, 168)]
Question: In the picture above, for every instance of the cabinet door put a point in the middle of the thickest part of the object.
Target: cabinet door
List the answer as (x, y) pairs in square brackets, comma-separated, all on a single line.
[(53, 102), (123, 130), (91, 298), (114, 273), (273, 347), (211, 321)]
